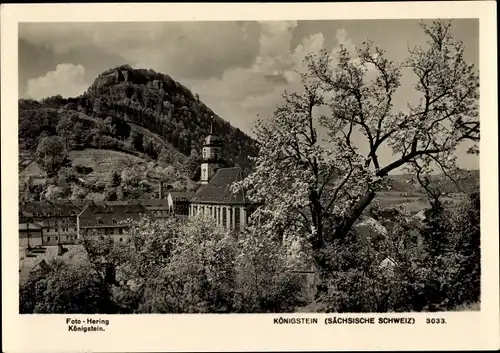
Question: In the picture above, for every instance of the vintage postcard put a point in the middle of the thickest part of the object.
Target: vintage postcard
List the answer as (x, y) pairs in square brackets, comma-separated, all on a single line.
[(246, 177)]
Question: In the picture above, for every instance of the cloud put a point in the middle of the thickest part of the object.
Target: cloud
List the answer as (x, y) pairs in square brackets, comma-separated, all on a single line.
[(37, 60), (68, 80), (183, 50), (241, 95)]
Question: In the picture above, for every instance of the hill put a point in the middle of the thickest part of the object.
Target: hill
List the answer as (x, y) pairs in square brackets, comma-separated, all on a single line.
[(143, 100), (406, 183), (133, 113)]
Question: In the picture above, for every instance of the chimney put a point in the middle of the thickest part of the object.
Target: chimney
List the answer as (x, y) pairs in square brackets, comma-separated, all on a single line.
[(161, 191)]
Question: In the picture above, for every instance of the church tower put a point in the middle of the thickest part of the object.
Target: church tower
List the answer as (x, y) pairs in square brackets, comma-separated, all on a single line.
[(211, 155)]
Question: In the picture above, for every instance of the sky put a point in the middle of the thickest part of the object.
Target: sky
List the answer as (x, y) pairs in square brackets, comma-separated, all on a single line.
[(239, 69)]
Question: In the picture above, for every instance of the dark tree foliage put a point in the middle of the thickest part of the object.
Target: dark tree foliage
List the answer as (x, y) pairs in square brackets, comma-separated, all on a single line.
[(67, 289)]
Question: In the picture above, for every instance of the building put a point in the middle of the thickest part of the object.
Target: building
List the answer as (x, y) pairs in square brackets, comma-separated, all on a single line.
[(31, 262), (215, 197), (108, 218), (159, 208), (179, 201), (211, 156), (58, 219), (30, 235)]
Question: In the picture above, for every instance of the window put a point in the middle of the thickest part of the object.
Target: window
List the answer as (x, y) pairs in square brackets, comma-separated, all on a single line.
[(230, 217), (114, 221), (100, 221), (237, 217), (57, 238), (120, 231), (121, 239), (48, 238), (224, 216)]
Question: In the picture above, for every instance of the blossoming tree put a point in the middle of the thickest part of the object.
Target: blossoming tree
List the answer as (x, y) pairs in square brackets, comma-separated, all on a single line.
[(318, 187)]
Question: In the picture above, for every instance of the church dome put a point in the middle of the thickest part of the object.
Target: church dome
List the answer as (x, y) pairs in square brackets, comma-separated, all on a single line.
[(211, 140)]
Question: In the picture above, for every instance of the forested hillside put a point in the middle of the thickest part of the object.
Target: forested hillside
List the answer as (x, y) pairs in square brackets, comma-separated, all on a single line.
[(136, 112)]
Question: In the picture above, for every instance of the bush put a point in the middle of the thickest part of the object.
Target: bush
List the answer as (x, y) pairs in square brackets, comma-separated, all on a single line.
[(438, 266), (68, 289)]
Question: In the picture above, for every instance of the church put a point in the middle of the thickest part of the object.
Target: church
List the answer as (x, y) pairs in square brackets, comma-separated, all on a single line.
[(215, 198)]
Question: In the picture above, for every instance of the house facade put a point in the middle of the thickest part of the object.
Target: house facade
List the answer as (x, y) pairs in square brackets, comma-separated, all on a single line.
[(57, 219), (30, 235)]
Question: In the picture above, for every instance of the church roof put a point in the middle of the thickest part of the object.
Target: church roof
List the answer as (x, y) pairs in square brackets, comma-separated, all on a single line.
[(218, 190), (212, 139), (181, 195)]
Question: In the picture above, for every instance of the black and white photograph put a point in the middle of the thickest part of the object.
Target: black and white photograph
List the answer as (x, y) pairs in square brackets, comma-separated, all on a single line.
[(249, 167), (308, 166)]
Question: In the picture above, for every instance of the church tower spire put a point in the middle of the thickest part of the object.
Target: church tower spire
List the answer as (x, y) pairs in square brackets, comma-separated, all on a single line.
[(211, 154)]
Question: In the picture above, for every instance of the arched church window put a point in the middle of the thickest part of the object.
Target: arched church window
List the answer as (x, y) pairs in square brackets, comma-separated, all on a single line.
[(237, 217)]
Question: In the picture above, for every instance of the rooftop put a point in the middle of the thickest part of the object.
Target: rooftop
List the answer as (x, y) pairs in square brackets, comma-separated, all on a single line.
[(50, 208), (154, 202), (111, 213), (212, 140), (181, 195), (31, 226), (75, 254), (218, 190)]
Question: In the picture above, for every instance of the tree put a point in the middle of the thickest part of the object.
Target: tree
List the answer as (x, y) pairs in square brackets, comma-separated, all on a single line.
[(172, 267), (192, 165), (67, 288), (110, 126), (51, 155), (307, 184), (165, 156), (115, 179), (137, 140), (64, 129), (267, 277), (79, 134)]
